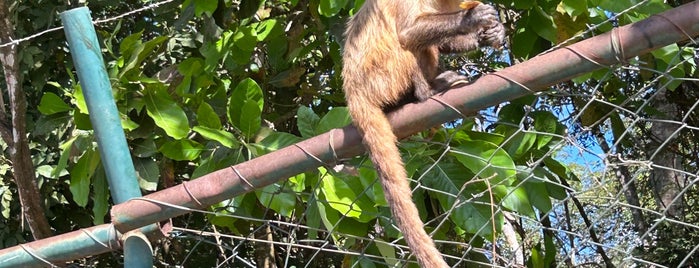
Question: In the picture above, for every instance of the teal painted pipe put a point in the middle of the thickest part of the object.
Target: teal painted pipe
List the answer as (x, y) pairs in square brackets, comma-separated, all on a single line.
[(85, 50), (138, 252), (62, 248)]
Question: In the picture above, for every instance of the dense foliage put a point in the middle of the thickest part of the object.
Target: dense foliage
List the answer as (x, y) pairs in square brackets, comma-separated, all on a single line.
[(203, 85)]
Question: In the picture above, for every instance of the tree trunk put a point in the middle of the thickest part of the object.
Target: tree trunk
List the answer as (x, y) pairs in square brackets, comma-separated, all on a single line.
[(667, 182), (16, 137)]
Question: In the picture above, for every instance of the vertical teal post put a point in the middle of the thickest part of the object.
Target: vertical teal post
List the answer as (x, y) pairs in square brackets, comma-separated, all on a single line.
[(104, 116)]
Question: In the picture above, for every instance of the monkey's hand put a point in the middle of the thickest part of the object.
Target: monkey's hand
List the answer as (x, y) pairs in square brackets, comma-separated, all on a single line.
[(482, 21), (493, 35)]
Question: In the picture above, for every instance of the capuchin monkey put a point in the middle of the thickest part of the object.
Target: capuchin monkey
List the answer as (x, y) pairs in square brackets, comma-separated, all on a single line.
[(392, 52)]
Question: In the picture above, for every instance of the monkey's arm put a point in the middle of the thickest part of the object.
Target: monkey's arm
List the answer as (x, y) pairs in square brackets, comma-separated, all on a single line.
[(493, 36), (432, 29), (459, 43)]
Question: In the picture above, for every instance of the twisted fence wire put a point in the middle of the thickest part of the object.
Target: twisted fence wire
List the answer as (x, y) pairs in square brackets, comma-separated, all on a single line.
[(599, 192)]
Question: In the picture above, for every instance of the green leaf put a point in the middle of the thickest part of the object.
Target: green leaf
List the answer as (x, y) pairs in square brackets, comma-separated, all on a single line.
[(520, 143), (277, 140), (537, 191), (147, 172), (166, 113), (515, 199), (66, 151), (330, 8), (144, 147), (137, 52), (52, 103), (100, 198), (472, 212), (80, 176), (615, 5), (273, 197), (246, 90), (181, 150), (388, 252), (544, 122), (338, 117), (543, 24), (306, 121), (335, 222), (79, 99), (340, 196), (269, 29), (207, 117), (224, 138), (250, 119), (245, 38), (486, 160), (574, 7), (524, 4)]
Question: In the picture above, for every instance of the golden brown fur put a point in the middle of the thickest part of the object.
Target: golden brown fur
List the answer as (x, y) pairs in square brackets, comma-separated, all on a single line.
[(391, 52)]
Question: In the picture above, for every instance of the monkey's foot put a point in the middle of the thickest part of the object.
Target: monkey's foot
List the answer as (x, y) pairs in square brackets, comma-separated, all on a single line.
[(447, 80)]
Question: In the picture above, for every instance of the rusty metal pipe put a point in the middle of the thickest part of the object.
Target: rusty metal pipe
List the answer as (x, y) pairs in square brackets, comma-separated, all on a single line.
[(669, 27)]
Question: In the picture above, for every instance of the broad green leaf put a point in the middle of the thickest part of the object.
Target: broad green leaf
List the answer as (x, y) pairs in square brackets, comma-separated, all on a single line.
[(144, 147), (524, 4), (369, 178), (181, 150), (80, 176), (246, 90), (250, 118), (330, 8), (275, 198), (543, 24), (574, 7), (66, 151), (52, 103), (537, 191), (471, 212), (515, 199), (388, 252), (269, 29), (100, 198), (245, 38), (224, 138), (79, 99), (340, 196), (191, 66), (487, 161), (166, 113), (137, 53), (201, 6), (277, 140), (616, 5), (518, 145), (207, 117), (524, 42), (5, 201), (338, 117), (336, 223), (544, 122), (306, 121), (147, 172)]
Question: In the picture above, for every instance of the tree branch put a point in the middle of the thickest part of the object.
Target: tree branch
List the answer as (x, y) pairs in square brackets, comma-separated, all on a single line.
[(22, 167)]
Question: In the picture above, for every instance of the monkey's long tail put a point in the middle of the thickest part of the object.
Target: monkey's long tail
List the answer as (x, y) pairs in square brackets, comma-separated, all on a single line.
[(381, 143)]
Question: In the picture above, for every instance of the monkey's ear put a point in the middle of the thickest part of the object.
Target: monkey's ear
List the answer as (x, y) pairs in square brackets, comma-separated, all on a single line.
[(466, 5)]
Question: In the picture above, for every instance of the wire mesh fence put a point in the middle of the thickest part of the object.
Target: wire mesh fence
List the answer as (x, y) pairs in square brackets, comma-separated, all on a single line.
[(597, 171)]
